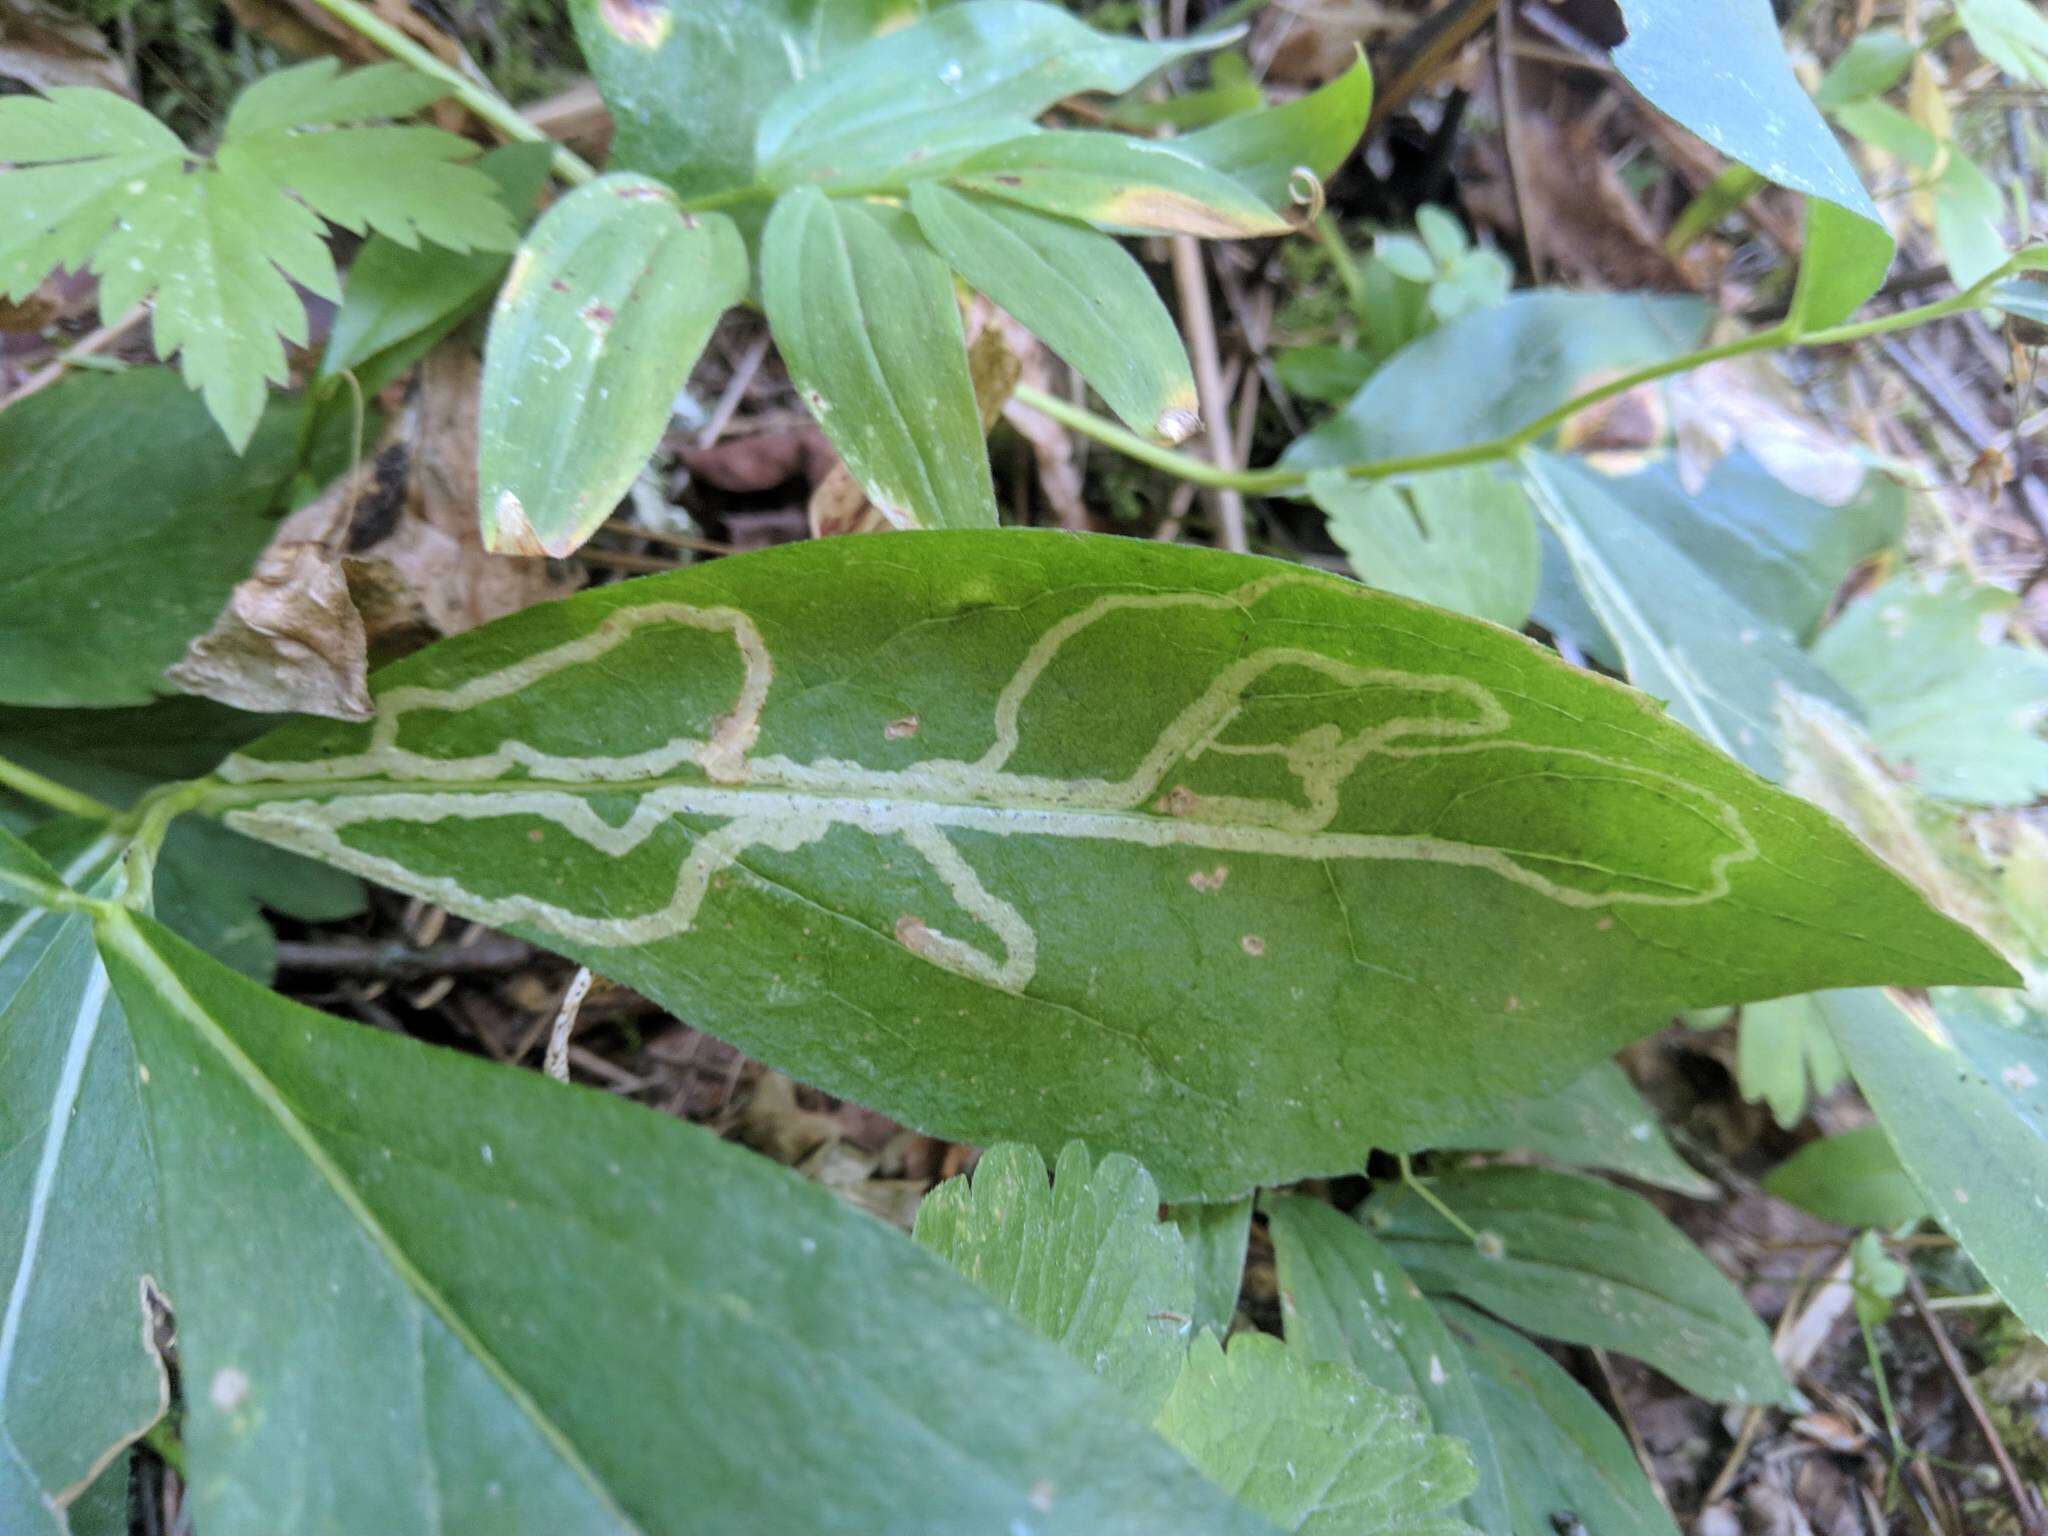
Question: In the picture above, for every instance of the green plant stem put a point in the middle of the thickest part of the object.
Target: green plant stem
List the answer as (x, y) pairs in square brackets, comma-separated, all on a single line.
[(480, 99), (31, 785), (1276, 481), (1432, 1201), (151, 821)]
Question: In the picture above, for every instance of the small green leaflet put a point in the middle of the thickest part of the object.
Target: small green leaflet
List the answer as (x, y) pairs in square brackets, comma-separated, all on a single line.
[(1310, 1446), (217, 244), (1584, 1261), (599, 324), (1083, 1260), (1784, 1057), (1853, 1180), (1463, 539), (869, 327), (542, 1283), (819, 799)]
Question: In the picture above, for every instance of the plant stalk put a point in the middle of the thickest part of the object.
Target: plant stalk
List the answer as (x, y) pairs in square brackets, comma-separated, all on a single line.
[(31, 785)]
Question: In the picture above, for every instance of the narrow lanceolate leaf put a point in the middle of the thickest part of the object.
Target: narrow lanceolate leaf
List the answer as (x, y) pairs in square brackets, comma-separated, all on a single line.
[(1596, 1121), (1083, 1260), (563, 1312), (1217, 1234), (1344, 1298), (891, 813), (1719, 665), (1853, 1179), (869, 327), (1266, 150), (1080, 292), (916, 101), (1131, 186), (78, 1236), (1580, 1260), (1311, 1446), (1559, 1452), (608, 304), (1961, 1088)]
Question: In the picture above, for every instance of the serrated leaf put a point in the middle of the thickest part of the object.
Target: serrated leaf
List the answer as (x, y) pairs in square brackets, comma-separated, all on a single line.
[(869, 327), (1596, 1121), (1344, 1298), (1080, 292), (1719, 665), (1216, 1234), (1125, 185), (917, 100), (540, 1283), (1264, 149), (1947, 697), (1083, 1260), (1463, 539), (1559, 1451), (608, 304), (1583, 1261), (936, 785), (1853, 1179), (1784, 1057), (1312, 1447)]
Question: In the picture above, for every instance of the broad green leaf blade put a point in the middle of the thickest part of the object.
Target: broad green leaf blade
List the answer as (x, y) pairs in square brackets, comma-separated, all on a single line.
[(1463, 539), (1958, 1088), (543, 1284), (609, 302), (1004, 831), (1853, 1180), (1493, 371), (1718, 665), (1750, 106), (1265, 150), (1084, 1260), (1129, 186), (1588, 1263), (1080, 292), (687, 80), (1949, 699), (917, 100), (78, 1229), (1595, 1121), (1312, 1447), (127, 522), (1217, 1234), (1344, 1298), (1558, 1449), (869, 327)]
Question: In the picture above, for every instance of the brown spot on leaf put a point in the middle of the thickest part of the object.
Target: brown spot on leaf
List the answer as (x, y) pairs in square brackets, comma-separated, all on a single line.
[(1178, 801), (896, 730), (598, 317), (510, 533), (1253, 945), (641, 23), (1211, 879)]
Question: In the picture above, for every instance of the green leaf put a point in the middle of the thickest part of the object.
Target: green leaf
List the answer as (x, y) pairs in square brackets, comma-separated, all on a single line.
[(217, 245), (2010, 33), (2024, 298), (1128, 186), (1784, 1057), (1948, 698), (1328, 375), (541, 1282), (399, 301), (1083, 294), (1084, 1260), (893, 813), (1719, 665), (1263, 150), (1344, 1298), (1217, 1235), (608, 304), (1583, 1261), (1463, 539), (1875, 60), (1311, 1447), (1596, 1121), (1969, 219), (1559, 1451), (919, 99), (687, 80), (869, 327), (78, 1228), (127, 519), (1853, 1180), (1493, 371), (1959, 1089), (1751, 107)]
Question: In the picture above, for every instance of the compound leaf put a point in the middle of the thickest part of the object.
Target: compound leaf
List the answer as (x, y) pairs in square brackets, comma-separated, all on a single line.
[(888, 813)]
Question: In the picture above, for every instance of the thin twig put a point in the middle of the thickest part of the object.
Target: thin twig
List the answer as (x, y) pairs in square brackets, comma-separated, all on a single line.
[(2023, 1501), (1191, 279), (556, 1062), (735, 391), (84, 347), (1507, 88), (395, 960)]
